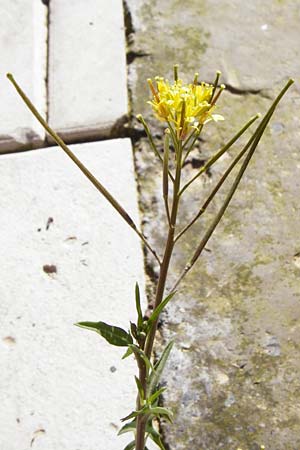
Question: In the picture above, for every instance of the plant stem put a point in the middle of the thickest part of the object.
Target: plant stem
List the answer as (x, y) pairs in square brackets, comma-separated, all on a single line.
[(141, 425), (151, 141)]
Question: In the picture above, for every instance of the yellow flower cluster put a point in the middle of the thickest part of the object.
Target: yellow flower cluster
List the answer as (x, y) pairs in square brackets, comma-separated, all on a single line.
[(186, 106)]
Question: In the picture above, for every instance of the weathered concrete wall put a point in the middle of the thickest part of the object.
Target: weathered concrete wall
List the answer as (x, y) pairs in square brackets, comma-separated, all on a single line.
[(233, 376)]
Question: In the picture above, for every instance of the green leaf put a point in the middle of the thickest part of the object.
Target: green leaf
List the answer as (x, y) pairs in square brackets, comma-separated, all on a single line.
[(114, 335), (159, 367), (138, 306), (128, 427), (154, 316), (132, 415), (151, 430), (134, 331), (130, 446), (155, 395), (142, 355), (140, 389), (127, 353), (131, 427), (154, 435), (159, 411)]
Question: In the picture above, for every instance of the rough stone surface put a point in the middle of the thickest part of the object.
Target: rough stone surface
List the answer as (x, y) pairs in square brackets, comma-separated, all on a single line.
[(87, 68), (67, 256), (23, 36), (233, 376)]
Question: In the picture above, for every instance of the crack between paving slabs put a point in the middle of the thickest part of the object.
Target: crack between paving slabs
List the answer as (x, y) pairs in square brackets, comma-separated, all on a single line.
[(136, 134)]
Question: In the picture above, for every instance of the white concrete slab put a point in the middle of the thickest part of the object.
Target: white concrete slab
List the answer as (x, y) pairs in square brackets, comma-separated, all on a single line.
[(87, 67), (23, 49), (63, 387)]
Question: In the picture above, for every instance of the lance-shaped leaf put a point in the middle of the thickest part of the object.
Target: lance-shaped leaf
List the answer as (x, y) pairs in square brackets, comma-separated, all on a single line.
[(155, 315), (127, 428), (114, 335), (154, 397), (158, 368), (154, 435), (127, 353), (150, 411), (138, 306), (140, 389), (163, 412), (141, 354), (133, 414)]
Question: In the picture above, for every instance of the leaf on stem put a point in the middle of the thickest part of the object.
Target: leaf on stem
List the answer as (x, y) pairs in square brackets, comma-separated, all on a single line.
[(141, 354), (163, 412), (127, 353), (154, 397), (155, 314), (131, 415), (150, 411), (128, 427), (134, 330), (114, 335), (150, 430), (138, 306), (130, 446), (159, 367), (154, 435), (140, 389)]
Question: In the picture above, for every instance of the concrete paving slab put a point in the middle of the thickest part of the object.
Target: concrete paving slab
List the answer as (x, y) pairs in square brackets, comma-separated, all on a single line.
[(87, 68), (68, 257), (23, 36), (233, 376)]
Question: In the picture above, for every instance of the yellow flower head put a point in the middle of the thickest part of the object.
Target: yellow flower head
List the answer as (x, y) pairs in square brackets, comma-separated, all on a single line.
[(186, 106)]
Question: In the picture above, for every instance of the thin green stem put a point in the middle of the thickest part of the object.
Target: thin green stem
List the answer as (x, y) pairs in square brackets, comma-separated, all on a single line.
[(168, 252), (151, 141), (173, 134), (191, 136), (83, 169), (141, 425), (165, 175), (216, 82), (196, 134)]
